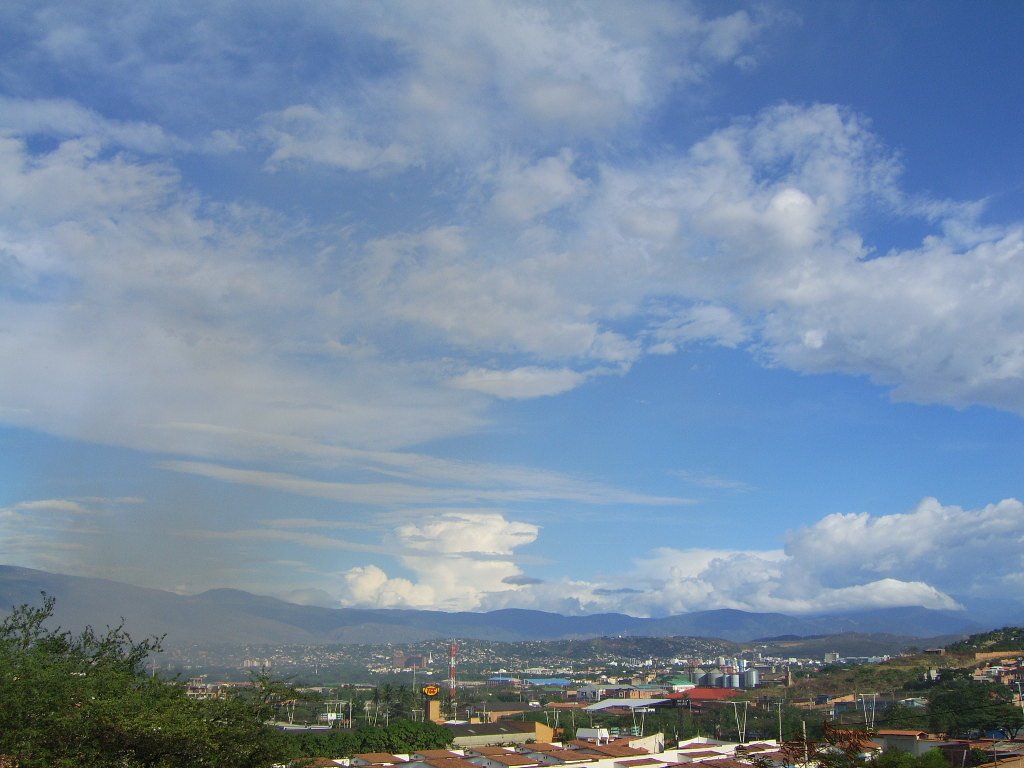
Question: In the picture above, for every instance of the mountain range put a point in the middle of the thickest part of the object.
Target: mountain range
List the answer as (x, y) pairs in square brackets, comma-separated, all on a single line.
[(236, 617)]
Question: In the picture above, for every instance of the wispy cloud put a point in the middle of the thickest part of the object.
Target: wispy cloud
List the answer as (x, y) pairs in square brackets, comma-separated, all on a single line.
[(401, 493), (314, 541), (709, 480)]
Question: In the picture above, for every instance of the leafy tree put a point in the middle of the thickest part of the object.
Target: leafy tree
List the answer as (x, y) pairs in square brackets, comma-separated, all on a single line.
[(400, 736), (892, 758), (963, 708), (839, 748), (82, 700), (902, 716)]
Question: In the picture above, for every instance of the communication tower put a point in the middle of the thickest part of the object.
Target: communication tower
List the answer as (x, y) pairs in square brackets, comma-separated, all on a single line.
[(453, 653)]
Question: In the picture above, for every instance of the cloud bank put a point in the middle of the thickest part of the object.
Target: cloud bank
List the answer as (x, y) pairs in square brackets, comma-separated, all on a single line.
[(841, 562)]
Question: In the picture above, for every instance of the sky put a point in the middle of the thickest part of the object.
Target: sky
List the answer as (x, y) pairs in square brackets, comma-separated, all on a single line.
[(607, 306)]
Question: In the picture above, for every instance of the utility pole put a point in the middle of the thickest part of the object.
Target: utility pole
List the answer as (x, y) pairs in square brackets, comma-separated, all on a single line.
[(741, 730), (863, 698)]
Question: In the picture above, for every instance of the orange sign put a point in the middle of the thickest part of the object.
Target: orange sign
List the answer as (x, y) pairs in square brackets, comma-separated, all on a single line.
[(430, 690)]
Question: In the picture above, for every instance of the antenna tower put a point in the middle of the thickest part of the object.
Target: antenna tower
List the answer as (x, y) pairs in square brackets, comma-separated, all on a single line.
[(453, 653)]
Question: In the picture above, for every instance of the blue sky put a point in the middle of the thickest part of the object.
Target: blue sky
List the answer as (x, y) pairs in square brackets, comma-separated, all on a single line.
[(584, 306)]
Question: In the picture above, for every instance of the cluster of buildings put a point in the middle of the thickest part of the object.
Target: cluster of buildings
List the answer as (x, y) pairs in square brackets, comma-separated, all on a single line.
[(599, 750), (998, 667)]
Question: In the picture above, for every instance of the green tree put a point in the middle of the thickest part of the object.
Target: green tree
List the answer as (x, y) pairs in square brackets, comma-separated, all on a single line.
[(400, 736), (82, 700), (892, 758), (961, 709), (839, 748), (901, 716)]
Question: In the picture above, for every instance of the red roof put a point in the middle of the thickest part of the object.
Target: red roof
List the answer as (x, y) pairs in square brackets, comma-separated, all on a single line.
[(379, 758), (703, 753), (571, 756), (540, 746), (612, 750), (510, 758)]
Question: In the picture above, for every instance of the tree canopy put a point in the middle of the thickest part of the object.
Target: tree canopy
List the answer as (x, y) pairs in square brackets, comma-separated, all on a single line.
[(84, 701), (961, 708)]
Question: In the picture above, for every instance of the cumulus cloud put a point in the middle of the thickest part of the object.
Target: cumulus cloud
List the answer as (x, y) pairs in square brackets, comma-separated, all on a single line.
[(459, 558), (960, 549), (929, 556), (370, 586), (484, 533), (842, 562)]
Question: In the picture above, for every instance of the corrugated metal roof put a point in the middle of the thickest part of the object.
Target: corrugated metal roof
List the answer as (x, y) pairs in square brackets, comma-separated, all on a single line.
[(627, 703)]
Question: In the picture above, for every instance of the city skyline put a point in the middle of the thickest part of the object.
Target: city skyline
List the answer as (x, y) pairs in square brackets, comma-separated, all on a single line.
[(647, 308)]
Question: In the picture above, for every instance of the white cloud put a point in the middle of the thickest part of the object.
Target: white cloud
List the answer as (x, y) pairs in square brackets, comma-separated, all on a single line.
[(525, 192), (525, 382), (840, 563), (370, 586), (958, 549), (48, 533), (708, 323), (467, 533), (459, 559), (465, 82), (67, 119), (727, 36), (305, 133), (52, 505), (373, 493)]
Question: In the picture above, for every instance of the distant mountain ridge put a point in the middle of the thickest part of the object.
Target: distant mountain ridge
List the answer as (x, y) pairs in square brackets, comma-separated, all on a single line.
[(237, 617)]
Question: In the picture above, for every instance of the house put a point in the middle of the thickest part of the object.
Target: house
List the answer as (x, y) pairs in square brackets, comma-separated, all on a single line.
[(915, 743)]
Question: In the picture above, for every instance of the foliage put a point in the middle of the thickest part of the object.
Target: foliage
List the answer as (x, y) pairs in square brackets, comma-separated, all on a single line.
[(902, 673), (839, 748), (892, 758), (1005, 639), (961, 708), (83, 701), (400, 736), (899, 716)]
